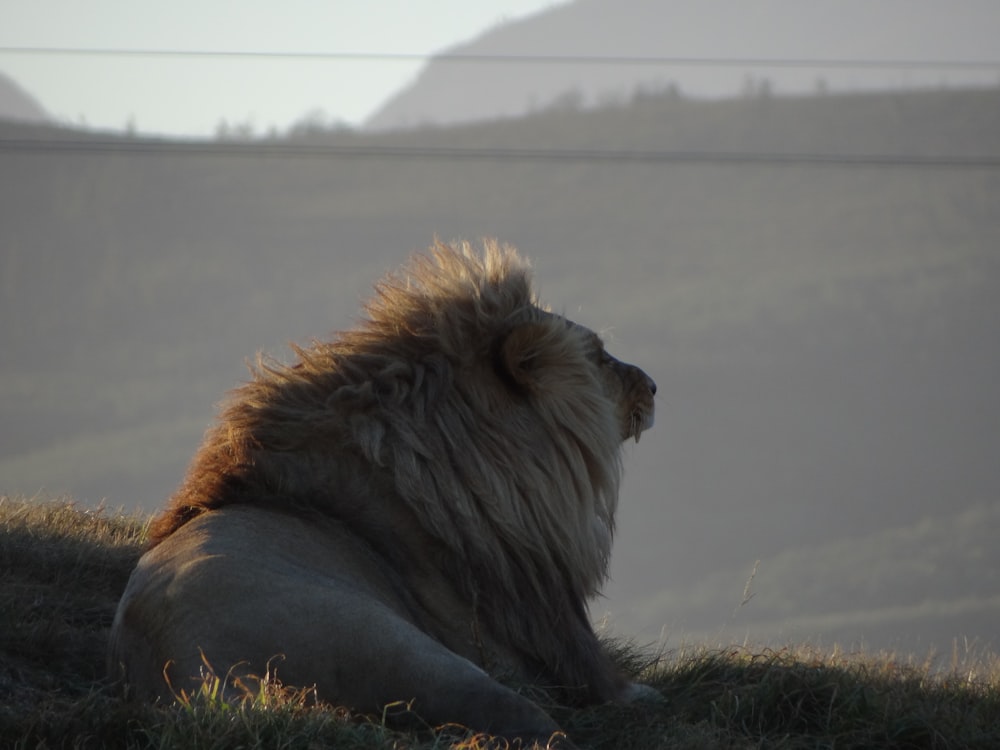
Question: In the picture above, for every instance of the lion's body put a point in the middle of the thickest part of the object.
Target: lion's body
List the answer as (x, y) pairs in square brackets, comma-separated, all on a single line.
[(413, 509)]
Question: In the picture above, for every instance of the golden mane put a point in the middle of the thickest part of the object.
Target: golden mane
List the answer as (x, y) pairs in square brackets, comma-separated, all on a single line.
[(458, 405)]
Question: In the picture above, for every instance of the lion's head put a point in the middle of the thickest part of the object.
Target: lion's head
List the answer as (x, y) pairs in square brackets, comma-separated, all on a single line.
[(470, 437)]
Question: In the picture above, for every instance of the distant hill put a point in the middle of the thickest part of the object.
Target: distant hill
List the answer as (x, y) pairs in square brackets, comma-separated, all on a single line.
[(18, 105), (888, 30), (813, 282)]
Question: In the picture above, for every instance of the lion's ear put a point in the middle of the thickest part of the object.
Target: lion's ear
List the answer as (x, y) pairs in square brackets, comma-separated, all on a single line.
[(526, 354)]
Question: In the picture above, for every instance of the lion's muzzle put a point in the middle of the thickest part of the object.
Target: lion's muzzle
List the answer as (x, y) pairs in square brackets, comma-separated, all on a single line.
[(636, 404)]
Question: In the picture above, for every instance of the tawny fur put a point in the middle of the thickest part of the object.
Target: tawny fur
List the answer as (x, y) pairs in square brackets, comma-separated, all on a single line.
[(469, 438)]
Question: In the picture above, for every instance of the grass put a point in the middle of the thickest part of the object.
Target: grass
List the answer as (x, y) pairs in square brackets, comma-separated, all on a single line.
[(63, 567)]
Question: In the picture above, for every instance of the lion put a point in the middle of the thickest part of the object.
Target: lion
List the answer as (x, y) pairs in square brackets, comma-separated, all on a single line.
[(414, 513)]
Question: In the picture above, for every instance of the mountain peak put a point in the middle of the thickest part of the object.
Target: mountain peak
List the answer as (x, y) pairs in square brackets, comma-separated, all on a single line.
[(669, 43)]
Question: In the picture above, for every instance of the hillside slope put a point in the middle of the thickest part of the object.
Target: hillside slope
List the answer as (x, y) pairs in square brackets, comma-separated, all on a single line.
[(18, 105), (859, 591), (62, 569)]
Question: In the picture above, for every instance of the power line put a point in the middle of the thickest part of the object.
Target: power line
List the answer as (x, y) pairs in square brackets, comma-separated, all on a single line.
[(517, 59), (456, 154)]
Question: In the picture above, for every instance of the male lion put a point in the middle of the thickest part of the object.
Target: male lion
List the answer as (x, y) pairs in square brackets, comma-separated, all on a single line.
[(409, 513)]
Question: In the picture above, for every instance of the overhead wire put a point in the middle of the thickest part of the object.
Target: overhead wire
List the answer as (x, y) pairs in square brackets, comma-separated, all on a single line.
[(518, 58)]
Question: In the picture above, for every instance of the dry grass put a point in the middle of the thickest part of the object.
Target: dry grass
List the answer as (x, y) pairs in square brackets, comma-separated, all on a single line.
[(62, 569)]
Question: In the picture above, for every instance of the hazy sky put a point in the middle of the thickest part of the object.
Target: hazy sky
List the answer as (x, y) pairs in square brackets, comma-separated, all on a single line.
[(191, 95)]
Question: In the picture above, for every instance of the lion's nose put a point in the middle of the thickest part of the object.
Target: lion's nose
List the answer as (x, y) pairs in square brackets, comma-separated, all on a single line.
[(651, 384)]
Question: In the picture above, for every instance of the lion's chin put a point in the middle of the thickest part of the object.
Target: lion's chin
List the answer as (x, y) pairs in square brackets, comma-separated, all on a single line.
[(638, 423)]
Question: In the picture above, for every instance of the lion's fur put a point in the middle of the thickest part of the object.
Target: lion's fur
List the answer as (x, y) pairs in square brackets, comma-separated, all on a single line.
[(460, 429)]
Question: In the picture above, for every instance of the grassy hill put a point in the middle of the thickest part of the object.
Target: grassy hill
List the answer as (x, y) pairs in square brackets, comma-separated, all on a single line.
[(62, 568), (823, 332), (866, 589)]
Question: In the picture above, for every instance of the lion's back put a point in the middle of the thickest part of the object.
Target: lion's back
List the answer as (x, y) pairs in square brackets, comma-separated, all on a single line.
[(245, 585)]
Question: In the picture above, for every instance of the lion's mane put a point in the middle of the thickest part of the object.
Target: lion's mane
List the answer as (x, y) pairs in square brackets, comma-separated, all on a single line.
[(442, 421)]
